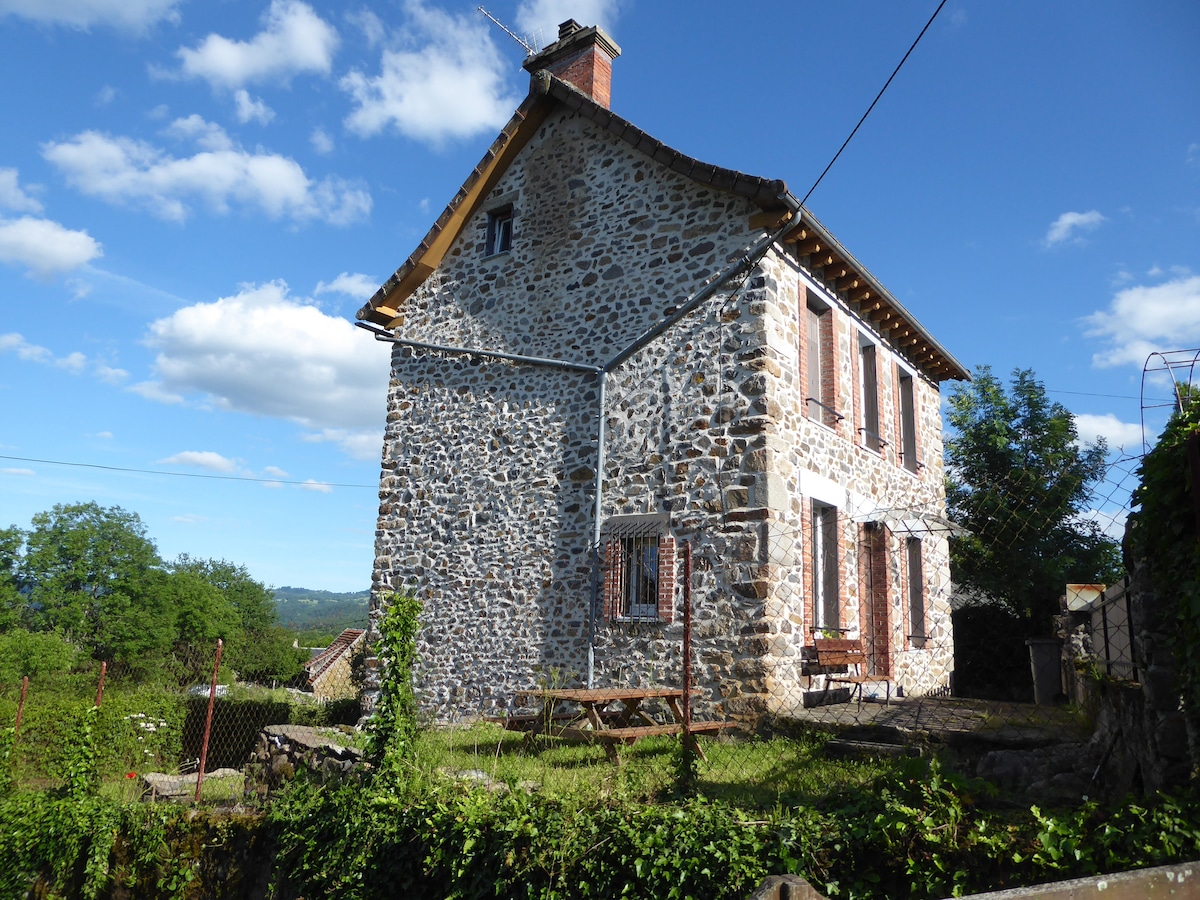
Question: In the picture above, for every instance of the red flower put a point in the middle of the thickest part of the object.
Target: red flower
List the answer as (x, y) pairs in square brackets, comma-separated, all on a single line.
[(131, 774)]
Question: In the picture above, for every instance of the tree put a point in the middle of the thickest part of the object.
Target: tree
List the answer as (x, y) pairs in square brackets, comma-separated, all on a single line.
[(12, 602), (94, 577), (256, 647), (1019, 481)]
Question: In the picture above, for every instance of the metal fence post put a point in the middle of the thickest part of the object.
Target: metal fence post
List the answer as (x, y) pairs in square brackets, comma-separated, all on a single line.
[(100, 687), (212, 699), (21, 706)]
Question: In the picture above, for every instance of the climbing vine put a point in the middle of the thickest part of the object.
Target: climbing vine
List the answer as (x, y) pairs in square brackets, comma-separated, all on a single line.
[(1166, 535), (392, 730)]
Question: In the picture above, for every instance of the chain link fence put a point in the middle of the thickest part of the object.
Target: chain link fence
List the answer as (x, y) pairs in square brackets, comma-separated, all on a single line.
[(138, 740), (850, 645), (802, 657)]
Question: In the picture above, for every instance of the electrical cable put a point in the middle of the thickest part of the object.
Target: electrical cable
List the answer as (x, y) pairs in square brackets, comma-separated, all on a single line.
[(79, 465), (873, 102)]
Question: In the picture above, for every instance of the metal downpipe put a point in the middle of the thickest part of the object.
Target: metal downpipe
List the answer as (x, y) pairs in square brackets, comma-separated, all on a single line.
[(597, 562)]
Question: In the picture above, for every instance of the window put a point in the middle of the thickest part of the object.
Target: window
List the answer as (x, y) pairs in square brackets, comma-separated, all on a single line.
[(869, 377), (908, 423), (639, 569), (821, 398), (499, 230), (826, 605), (916, 593)]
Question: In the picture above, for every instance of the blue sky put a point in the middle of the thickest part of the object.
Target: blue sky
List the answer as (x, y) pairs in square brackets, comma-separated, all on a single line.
[(196, 196)]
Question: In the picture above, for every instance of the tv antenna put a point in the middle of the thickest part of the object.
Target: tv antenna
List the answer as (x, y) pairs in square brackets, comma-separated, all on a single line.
[(529, 51)]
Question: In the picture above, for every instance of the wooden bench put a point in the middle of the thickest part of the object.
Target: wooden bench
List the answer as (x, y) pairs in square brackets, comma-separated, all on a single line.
[(629, 734), (536, 722), (848, 654)]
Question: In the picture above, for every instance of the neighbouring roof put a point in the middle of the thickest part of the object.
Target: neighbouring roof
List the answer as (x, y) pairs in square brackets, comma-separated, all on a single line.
[(342, 644), (827, 260)]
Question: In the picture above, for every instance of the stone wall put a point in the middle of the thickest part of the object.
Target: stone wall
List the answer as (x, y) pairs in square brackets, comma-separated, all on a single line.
[(486, 494)]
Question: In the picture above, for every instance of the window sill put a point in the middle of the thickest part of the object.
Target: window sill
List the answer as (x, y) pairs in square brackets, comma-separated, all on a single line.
[(503, 254)]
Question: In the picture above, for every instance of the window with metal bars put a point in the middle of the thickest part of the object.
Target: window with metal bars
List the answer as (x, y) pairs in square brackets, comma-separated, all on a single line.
[(639, 569)]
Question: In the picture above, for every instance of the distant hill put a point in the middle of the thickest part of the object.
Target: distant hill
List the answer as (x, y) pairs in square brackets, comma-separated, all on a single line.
[(312, 612)]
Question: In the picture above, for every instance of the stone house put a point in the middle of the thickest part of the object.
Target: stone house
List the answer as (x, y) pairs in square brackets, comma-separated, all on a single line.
[(330, 672), (604, 349)]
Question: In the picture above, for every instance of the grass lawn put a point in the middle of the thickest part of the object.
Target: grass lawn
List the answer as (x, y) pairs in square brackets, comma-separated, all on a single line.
[(755, 773)]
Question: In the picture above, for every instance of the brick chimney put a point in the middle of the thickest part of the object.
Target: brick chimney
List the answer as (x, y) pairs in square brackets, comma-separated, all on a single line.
[(582, 57)]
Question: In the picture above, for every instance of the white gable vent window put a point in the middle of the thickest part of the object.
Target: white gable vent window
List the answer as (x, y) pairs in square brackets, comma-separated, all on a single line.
[(499, 230)]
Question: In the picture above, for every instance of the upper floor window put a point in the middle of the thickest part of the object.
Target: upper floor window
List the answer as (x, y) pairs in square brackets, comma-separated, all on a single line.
[(499, 230), (908, 422), (821, 384), (639, 569), (868, 365)]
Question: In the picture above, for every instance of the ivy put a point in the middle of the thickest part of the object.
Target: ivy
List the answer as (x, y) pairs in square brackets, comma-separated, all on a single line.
[(1165, 534), (392, 730)]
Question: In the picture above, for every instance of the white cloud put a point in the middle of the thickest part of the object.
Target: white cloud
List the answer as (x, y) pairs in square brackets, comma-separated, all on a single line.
[(445, 79), (111, 376), (154, 390), (1148, 318), (105, 95), (18, 471), (321, 141), (275, 472), (264, 352), (44, 247), (201, 459), (75, 362), (1193, 154), (362, 444), (107, 435), (122, 170), (318, 486), (539, 19), (13, 197), (369, 24), (1119, 435), (189, 519), (16, 343), (294, 40), (358, 286), (125, 15), (204, 134), (1067, 227), (252, 109)]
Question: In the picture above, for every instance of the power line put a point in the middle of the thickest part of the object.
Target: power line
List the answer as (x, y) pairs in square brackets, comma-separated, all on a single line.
[(873, 102), (79, 465), (1110, 396)]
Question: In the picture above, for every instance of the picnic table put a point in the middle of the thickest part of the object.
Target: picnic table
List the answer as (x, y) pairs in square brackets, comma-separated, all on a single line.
[(608, 716)]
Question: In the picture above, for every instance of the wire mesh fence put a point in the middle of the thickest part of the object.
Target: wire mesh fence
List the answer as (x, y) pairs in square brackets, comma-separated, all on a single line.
[(137, 740), (837, 634), (742, 661)]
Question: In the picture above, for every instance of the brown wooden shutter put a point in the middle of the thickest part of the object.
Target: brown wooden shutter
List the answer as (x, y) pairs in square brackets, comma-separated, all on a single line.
[(612, 579)]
